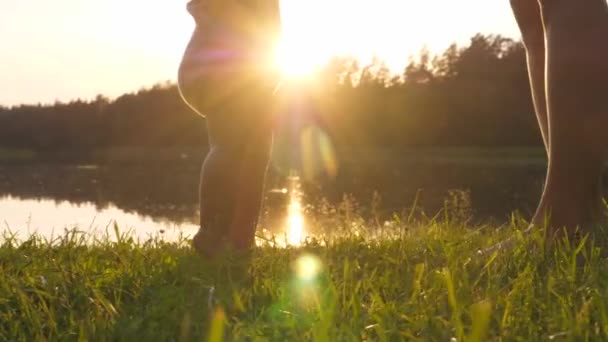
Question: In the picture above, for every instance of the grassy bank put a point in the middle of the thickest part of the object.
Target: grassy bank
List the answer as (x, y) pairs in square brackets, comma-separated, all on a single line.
[(423, 282)]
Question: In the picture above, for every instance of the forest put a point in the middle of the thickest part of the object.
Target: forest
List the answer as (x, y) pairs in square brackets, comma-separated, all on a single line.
[(474, 95)]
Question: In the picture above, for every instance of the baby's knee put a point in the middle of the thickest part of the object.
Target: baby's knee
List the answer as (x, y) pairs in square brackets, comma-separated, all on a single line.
[(254, 152), (258, 154)]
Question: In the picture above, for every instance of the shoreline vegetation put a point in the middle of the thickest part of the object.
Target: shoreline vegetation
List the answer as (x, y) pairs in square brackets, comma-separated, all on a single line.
[(459, 154), (417, 281)]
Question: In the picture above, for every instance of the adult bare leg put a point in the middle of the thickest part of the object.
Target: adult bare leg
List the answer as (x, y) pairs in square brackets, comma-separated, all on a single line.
[(568, 68), (529, 19), (576, 77)]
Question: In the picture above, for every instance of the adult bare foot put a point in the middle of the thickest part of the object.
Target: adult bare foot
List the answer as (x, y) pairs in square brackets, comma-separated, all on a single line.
[(576, 72), (507, 244), (568, 64)]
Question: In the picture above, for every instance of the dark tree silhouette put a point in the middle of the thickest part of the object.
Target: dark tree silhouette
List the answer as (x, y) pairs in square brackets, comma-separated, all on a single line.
[(476, 95)]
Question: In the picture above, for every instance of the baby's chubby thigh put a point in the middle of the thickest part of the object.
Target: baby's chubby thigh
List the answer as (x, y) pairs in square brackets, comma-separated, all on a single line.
[(207, 76)]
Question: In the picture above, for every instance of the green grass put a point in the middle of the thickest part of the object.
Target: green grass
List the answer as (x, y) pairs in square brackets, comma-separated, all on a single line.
[(421, 281)]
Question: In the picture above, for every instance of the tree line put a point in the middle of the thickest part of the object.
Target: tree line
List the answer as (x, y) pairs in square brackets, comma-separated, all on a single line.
[(474, 95)]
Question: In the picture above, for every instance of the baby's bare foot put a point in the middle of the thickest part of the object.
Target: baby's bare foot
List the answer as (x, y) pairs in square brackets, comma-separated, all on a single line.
[(208, 245)]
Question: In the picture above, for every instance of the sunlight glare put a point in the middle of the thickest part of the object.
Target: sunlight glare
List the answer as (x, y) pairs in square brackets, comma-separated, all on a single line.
[(304, 45), (293, 63), (295, 217), (315, 31)]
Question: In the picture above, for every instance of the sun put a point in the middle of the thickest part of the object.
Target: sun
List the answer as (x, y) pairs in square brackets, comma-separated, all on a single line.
[(297, 54), (292, 62), (302, 47), (316, 31)]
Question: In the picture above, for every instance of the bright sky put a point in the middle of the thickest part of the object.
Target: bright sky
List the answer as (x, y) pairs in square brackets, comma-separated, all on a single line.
[(67, 49)]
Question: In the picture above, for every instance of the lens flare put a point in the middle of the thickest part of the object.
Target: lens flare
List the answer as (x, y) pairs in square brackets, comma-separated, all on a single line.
[(306, 285), (328, 155), (318, 156), (308, 267)]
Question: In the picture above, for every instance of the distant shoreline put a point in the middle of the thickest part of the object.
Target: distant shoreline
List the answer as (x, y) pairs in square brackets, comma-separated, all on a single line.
[(464, 154)]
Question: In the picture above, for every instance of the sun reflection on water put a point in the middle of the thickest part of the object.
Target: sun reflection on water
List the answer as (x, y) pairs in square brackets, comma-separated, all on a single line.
[(296, 225)]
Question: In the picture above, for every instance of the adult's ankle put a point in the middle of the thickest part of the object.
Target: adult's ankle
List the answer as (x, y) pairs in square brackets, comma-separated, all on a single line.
[(571, 207)]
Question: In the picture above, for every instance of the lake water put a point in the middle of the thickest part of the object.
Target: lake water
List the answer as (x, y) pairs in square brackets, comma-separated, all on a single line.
[(160, 199)]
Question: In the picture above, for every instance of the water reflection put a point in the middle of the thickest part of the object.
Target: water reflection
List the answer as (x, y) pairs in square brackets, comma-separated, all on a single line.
[(50, 219), (295, 230), (154, 197), (51, 216)]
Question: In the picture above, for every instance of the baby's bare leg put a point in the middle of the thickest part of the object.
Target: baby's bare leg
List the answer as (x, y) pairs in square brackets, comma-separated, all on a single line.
[(233, 174), (231, 190), (224, 76)]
